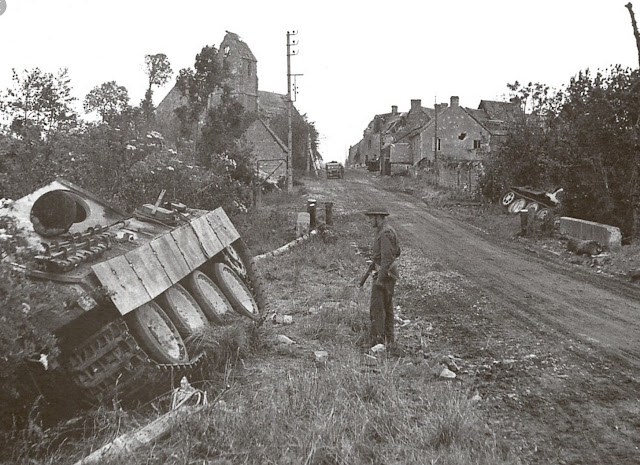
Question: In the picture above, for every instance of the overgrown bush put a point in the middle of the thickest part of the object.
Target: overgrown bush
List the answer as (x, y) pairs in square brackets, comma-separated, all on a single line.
[(27, 348)]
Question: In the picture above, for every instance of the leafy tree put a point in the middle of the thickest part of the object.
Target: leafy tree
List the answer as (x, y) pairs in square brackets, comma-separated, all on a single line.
[(585, 139), (39, 104), (109, 100), (158, 71), (198, 84), (301, 129), (225, 123)]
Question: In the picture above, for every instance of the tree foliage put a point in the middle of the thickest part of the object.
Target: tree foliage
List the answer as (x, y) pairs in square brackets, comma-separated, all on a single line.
[(38, 104), (158, 69), (301, 130), (584, 138), (199, 83), (109, 100)]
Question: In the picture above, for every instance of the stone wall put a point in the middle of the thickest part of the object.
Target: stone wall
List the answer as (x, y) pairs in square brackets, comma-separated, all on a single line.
[(607, 236)]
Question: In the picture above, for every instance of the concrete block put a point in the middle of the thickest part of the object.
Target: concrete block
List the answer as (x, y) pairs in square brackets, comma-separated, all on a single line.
[(608, 236), (303, 224)]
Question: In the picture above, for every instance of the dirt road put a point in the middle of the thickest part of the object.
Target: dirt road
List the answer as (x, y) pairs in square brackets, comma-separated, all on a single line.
[(553, 351)]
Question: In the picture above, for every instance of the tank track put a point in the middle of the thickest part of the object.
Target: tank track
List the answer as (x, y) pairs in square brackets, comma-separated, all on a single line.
[(254, 279), (110, 364)]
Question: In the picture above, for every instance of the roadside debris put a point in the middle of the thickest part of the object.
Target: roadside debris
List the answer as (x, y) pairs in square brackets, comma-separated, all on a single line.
[(321, 356), (281, 319), (580, 247), (282, 339), (378, 348), (446, 373)]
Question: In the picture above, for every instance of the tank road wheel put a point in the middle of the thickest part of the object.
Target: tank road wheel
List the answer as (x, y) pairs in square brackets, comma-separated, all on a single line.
[(535, 205), (157, 334), (209, 297), (233, 259), (183, 310), (507, 198), (517, 205), (543, 214), (235, 290)]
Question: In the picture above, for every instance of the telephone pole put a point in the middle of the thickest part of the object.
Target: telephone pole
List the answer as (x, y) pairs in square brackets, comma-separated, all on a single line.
[(290, 53)]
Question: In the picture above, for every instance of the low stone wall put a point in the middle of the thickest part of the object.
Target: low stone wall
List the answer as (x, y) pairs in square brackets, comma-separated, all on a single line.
[(607, 236)]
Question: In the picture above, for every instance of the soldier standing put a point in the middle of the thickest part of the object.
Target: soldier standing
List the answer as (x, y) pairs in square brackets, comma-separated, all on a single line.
[(385, 251)]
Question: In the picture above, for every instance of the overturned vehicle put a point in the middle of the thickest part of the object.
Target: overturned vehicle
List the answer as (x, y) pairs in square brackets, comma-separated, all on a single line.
[(545, 204), (145, 284)]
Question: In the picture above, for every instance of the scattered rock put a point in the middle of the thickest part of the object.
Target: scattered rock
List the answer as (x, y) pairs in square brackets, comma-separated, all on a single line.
[(450, 363), (446, 373), (377, 348), (634, 275), (321, 356), (282, 339), (476, 398), (282, 319), (580, 247)]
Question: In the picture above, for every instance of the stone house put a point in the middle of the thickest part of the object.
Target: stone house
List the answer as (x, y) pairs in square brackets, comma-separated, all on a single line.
[(242, 68), (447, 144), (270, 152)]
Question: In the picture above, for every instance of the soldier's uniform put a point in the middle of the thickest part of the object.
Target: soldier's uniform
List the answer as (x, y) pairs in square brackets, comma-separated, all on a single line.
[(386, 249)]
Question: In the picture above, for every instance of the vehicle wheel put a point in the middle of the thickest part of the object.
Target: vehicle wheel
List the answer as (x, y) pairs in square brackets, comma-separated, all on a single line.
[(209, 297), (535, 205), (517, 205), (183, 310), (507, 198), (156, 334), (235, 290), (233, 259), (543, 214), (254, 280)]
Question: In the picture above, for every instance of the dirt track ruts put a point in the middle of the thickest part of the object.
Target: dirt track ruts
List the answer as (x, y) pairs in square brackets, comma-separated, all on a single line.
[(590, 323)]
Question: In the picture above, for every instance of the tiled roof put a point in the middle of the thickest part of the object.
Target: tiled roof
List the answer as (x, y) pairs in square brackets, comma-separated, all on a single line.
[(502, 111)]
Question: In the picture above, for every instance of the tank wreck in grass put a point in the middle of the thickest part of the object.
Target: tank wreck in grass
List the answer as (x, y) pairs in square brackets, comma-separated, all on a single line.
[(143, 284)]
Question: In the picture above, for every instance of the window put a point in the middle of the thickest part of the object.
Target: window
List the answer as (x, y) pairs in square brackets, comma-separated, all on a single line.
[(369, 143), (227, 49), (435, 140), (476, 143), (249, 68)]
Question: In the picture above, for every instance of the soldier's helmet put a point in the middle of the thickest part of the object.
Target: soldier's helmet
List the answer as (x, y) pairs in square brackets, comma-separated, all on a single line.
[(376, 211)]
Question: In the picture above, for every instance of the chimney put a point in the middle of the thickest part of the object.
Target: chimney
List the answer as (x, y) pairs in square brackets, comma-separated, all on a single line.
[(455, 101), (394, 109), (416, 105)]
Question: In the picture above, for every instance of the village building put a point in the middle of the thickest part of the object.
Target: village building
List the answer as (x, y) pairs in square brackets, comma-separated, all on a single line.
[(242, 78), (448, 144)]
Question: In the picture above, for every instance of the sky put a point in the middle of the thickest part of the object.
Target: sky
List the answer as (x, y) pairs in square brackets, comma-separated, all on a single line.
[(356, 58)]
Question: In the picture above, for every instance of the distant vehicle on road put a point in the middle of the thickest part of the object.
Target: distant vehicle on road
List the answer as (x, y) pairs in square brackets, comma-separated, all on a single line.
[(334, 170)]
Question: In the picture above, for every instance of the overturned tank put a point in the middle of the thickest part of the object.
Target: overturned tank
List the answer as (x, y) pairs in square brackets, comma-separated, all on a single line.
[(145, 283), (517, 198)]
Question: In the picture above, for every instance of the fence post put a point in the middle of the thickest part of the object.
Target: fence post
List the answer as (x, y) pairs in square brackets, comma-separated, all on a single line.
[(328, 207), (311, 209)]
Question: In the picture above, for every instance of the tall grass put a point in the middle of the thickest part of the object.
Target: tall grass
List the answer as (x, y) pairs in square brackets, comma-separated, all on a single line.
[(347, 415)]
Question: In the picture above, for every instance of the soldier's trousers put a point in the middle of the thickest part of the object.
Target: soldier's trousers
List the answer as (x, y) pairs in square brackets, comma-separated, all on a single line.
[(381, 312)]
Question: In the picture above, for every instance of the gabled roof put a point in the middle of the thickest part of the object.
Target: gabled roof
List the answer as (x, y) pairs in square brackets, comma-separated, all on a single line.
[(411, 125), (274, 135), (271, 104), (501, 111)]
